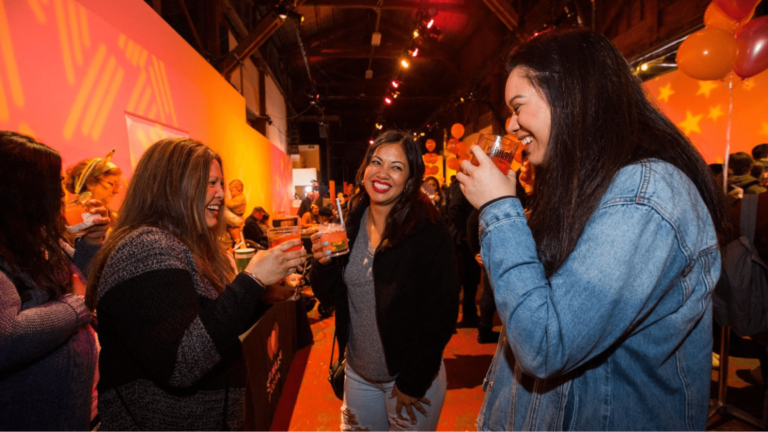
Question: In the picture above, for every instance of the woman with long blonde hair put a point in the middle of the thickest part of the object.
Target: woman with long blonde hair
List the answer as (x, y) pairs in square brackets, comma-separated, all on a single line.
[(170, 308)]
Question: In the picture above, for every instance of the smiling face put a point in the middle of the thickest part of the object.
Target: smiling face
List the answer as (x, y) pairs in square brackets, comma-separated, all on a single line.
[(531, 116), (386, 175), (214, 197)]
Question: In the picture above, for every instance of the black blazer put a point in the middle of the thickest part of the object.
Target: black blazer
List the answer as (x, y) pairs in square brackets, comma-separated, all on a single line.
[(417, 299)]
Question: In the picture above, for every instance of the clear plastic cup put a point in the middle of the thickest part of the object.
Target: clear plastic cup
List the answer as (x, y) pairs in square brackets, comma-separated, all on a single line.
[(336, 236), (500, 149), (277, 236), (243, 257)]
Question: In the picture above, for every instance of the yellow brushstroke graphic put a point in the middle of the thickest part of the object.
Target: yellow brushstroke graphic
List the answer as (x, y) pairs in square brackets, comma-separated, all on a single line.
[(83, 26), (75, 29), (136, 91), (153, 80), (66, 53), (135, 56), (10, 59), (167, 90), (121, 41), (85, 89), (4, 112), (162, 93), (144, 101), (129, 49), (24, 129), (143, 58), (152, 111), (154, 136), (98, 96), (38, 11), (143, 139), (107, 106)]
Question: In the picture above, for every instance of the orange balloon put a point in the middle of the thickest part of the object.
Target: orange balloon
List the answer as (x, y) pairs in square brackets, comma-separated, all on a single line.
[(462, 148), (708, 54), (457, 130), (714, 17), (430, 158), (432, 170), (453, 163), (451, 146), (430, 144)]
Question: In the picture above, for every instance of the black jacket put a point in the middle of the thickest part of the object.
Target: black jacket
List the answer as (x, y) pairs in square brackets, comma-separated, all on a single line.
[(417, 300), (253, 232)]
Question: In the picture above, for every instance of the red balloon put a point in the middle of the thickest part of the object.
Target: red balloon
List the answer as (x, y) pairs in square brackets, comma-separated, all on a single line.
[(716, 18), (753, 48), (736, 9), (708, 54)]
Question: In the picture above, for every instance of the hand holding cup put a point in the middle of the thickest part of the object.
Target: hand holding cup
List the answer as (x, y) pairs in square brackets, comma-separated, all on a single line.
[(271, 265), (95, 234)]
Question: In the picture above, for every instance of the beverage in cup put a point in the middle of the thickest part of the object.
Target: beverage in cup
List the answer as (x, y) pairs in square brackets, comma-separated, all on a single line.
[(78, 215), (336, 236), (277, 236), (243, 257), (500, 149)]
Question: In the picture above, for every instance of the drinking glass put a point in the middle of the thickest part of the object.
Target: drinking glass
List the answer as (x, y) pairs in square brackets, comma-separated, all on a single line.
[(500, 149), (243, 257), (277, 236), (78, 214), (336, 236)]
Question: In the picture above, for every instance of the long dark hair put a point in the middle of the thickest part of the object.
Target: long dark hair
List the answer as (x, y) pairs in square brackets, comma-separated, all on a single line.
[(602, 121), (168, 191), (31, 222), (412, 206)]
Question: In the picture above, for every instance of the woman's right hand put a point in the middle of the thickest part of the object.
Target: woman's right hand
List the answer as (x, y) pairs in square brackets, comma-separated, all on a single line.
[(271, 265), (320, 249)]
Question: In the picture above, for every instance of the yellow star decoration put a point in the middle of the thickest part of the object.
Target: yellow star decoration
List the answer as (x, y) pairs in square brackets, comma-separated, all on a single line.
[(714, 113), (691, 123), (706, 86), (666, 92), (765, 129), (748, 84)]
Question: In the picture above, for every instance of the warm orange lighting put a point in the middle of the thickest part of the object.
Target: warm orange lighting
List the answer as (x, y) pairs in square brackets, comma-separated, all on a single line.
[(395, 83), (388, 100), (431, 23), (415, 34), (404, 63), (370, 142), (414, 52)]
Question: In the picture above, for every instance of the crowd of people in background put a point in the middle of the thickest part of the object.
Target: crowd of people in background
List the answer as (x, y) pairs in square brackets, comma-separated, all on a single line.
[(599, 255)]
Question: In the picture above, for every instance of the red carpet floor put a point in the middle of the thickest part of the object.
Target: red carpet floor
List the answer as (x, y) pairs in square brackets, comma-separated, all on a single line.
[(308, 402)]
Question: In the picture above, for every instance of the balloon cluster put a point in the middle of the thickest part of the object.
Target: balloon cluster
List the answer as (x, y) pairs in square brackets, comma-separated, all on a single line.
[(730, 41)]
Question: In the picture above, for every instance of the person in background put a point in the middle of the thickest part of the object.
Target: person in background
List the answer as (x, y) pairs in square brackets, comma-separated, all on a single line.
[(760, 156), (310, 198), (103, 181), (741, 164), (325, 215), (170, 308), (254, 227), (605, 292), (312, 217), (349, 190), (432, 189), (395, 292), (237, 201), (485, 332), (47, 351)]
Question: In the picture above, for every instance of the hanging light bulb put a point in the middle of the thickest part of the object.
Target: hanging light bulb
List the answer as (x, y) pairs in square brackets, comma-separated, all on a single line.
[(416, 33), (379, 126), (430, 23), (395, 94), (413, 52), (404, 63), (370, 142), (387, 100), (396, 83)]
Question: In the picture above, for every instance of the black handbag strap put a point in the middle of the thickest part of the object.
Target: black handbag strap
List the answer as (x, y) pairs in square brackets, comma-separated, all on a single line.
[(333, 346)]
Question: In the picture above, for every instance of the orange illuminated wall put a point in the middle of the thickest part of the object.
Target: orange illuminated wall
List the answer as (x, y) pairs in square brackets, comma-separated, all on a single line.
[(700, 110), (87, 76)]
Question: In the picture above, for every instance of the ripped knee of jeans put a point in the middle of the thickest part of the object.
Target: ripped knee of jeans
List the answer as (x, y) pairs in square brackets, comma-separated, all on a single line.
[(349, 421), (401, 423)]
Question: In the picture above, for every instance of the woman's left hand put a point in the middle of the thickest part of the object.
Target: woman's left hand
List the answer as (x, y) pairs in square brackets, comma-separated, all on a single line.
[(403, 400), (96, 233), (484, 183)]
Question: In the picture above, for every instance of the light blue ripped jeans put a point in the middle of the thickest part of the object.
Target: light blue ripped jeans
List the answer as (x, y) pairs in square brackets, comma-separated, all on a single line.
[(368, 406)]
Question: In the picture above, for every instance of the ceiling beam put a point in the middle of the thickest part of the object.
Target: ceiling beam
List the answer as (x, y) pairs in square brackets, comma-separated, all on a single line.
[(392, 5), (250, 44), (611, 14), (191, 24), (365, 52), (504, 11)]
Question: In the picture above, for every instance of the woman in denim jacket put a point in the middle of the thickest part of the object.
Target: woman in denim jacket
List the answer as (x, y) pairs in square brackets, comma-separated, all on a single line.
[(605, 292)]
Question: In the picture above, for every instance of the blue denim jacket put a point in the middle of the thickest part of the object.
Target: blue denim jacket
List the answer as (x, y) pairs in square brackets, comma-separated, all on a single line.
[(619, 338)]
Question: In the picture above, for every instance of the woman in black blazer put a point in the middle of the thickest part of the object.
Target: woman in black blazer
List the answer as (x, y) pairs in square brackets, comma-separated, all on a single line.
[(396, 293)]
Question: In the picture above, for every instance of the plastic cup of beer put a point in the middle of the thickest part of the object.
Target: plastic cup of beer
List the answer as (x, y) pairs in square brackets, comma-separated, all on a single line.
[(336, 236), (500, 149), (243, 257), (78, 214), (278, 236)]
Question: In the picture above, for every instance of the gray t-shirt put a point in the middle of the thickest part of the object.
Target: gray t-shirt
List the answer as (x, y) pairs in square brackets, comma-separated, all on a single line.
[(365, 352)]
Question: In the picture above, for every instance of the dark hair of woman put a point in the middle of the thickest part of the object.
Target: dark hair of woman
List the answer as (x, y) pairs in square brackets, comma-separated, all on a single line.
[(412, 204), (31, 223), (168, 191), (602, 121)]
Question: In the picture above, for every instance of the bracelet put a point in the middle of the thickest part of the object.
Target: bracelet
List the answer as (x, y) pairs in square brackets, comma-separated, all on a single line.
[(253, 276)]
